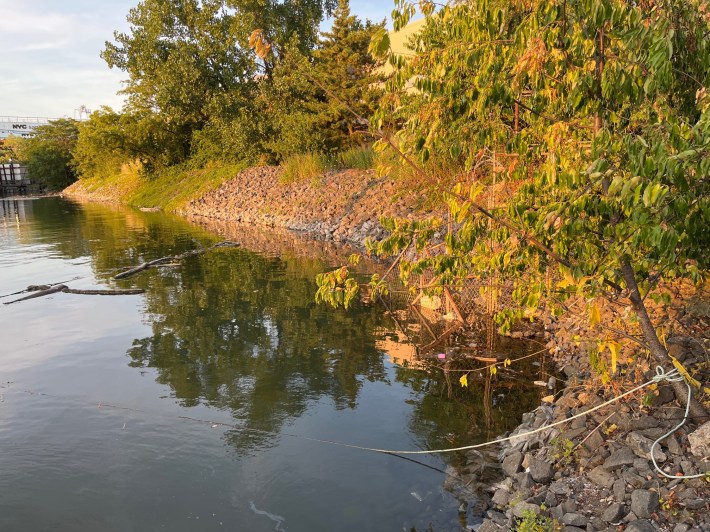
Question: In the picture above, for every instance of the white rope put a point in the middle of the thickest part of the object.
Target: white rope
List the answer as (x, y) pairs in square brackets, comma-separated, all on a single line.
[(661, 375), (674, 378)]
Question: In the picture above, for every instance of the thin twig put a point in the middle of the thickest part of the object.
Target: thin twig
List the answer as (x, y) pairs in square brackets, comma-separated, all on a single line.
[(595, 429)]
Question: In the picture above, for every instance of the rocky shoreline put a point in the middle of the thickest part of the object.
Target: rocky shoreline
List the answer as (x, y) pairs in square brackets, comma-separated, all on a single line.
[(342, 206), (593, 473)]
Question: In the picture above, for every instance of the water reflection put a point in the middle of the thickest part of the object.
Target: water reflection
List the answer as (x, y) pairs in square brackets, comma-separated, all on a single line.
[(233, 335), (240, 331)]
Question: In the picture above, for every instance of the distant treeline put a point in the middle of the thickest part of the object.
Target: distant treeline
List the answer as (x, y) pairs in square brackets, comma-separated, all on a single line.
[(220, 81)]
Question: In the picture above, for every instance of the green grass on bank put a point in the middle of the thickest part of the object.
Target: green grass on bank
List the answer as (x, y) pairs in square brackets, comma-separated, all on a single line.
[(304, 167), (309, 166), (170, 189)]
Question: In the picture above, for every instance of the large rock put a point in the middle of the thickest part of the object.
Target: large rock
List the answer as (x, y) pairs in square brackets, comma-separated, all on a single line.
[(619, 489), (488, 526), (644, 422), (560, 488), (601, 477), (644, 503), (525, 507), (541, 471), (700, 441), (642, 525), (614, 513), (501, 497), (511, 463), (622, 457), (641, 446), (574, 519)]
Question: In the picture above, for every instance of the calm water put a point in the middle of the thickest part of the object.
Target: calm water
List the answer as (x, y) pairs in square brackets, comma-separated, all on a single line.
[(183, 408)]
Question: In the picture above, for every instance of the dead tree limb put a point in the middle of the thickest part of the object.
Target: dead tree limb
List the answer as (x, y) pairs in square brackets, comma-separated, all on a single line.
[(46, 290), (171, 259), (116, 292), (40, 293)]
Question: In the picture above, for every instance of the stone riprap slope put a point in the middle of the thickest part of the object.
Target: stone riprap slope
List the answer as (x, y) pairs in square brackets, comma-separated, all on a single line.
[(343, 206)]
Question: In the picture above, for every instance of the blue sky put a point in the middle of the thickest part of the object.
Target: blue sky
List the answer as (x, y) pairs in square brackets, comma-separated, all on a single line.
[(49, 53)]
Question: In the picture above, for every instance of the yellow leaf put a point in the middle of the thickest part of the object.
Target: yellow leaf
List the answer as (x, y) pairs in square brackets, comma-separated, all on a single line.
[(594, 314), (507, 362), (464, 380), (566, 281), (494, 370), (681, 369), (475, 191), (614, 347)]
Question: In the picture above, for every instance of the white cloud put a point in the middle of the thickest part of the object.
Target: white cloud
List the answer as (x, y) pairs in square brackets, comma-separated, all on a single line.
[(18, 20), (50, 53)]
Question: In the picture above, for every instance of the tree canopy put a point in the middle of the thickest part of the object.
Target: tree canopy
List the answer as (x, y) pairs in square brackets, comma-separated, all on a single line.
[(592, 116), (198, 92), (345, 68), (183, 60)]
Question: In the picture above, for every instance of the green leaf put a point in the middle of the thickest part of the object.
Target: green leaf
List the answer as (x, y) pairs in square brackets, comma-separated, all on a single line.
[(380, 43)]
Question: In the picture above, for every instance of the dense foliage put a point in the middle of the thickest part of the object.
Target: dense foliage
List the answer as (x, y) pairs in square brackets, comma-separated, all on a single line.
[(231, 81), (592, 116), (600, 124)]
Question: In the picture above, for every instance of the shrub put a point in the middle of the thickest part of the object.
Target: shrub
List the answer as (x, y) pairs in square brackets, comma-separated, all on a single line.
[(360, 157), (302, 167)]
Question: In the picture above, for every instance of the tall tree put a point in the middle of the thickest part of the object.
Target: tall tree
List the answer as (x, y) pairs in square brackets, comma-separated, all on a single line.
[(273, 24), (344, 67), (49, 153), (182, 59)]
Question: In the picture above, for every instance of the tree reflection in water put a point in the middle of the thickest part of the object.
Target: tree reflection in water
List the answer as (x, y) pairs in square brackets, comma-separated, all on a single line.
[(239, 331)]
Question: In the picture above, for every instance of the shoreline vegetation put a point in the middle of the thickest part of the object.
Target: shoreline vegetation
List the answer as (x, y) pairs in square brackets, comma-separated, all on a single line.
[(556, 158), (603, 457)]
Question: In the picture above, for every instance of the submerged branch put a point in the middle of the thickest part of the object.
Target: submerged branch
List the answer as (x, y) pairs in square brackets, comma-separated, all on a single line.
[(171, 259), (46, 290)]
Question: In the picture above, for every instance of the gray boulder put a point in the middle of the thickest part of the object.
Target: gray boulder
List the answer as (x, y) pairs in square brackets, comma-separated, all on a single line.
[(644, 503)]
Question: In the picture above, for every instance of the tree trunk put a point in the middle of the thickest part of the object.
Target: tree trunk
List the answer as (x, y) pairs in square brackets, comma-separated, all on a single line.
[(658, 352)]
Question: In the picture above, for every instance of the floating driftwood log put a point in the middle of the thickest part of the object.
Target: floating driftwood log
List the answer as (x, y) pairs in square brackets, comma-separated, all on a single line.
[(45, 290), (42, 290), (172, 259)]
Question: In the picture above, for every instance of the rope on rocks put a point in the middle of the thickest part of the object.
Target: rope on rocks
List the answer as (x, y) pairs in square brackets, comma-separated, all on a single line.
[(660, 376), (673, 376)]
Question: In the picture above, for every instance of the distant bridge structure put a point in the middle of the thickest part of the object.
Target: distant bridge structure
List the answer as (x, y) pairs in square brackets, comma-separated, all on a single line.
[(13, 179), (20, 126)]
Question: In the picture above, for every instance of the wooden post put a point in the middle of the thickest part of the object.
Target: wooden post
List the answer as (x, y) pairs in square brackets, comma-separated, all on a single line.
[(453, 304)]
